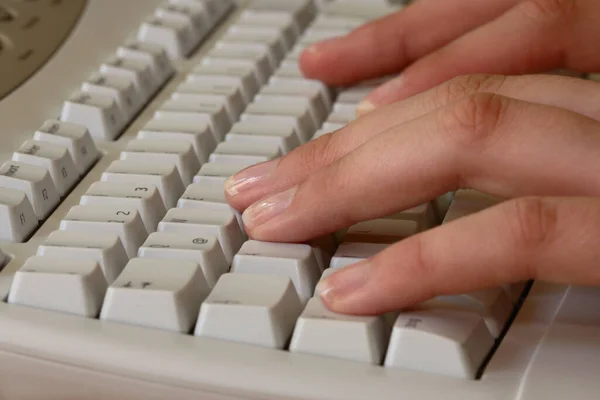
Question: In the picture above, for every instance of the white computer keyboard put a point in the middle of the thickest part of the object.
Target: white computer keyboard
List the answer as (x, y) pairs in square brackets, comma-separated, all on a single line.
[(125, 274)]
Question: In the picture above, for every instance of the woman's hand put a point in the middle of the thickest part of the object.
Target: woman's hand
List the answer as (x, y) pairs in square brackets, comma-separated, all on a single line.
[(432, 41), (532, 137)]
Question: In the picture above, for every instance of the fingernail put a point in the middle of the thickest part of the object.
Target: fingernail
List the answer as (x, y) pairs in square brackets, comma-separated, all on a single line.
[(249, 178), (339, 286), (267, 209), (387, 93)]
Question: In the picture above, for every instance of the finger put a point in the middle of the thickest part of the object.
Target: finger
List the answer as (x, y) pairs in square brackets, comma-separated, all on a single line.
[(259, 181), (531, 37), (550, 239), (387, 45), (491, 143)]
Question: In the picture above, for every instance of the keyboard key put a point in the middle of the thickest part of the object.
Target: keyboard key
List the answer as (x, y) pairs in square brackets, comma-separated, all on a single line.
[(303, 11), (232, 92), (144, 198), (17, 218), (295, 261), (283, 25), (193, 20), (235, 152), (136, 70), (351, 253), (318, 104), (76, 138), (106, 249), (200, 136), (66, 285), (492, 304), (273, 45), (261, 72), (424, 215), (258, 57), (205, 251), (158, 61), (52, 157), (164, 176), (326, 93), (221, 224), (358, 9), (249, 132), (208, 196), (260, 310), (324, 248), (381, 231), (175, 36), (234, 107), (270, 111), (157, 294), (295, 105), (99, 113), (120, 88), (122, 221), (242, 76), (197, 112), (219, 171), (35, 181), (323, 332), (447, 342), (179, 153)]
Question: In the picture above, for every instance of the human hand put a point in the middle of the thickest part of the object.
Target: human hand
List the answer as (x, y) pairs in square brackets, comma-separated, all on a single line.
[(532, 137), (432, 41)]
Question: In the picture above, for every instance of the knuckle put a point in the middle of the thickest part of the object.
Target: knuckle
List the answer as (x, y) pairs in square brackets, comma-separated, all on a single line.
[(473, 120), (464, 85), (549, 9), (533, 221), (316, 153)]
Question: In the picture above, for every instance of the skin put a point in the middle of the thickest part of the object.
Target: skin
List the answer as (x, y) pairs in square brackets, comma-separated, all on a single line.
[(531, 139)]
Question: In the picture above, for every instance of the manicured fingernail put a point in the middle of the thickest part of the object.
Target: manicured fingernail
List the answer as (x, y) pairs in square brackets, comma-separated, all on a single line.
[(249, 178), (387, 93), (267, 209), (344, 283)]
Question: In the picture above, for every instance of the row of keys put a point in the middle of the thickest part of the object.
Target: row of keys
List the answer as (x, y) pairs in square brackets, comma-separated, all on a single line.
[(42, 172)]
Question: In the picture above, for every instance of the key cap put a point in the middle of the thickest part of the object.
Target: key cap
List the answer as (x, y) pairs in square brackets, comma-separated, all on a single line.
[(355, 9), (273, 45), (492, 304), (173, 35), (197, 112), (351, 253), (316, 101), (284, 137), (381, 231), (283, 25), (119, 88), (265, 33), (260, 71), (193, 20), (233, 105), (144, 198), (243, 77), (233, 152), (122, 221), (205, 251), (294, 105), (106, 249), (423, 215), (136, 70), (219, 171), (200, 136), (316, 34), (179, 153), (281, 110), (303, 11), (98, 113), (232, 92), (340, 118), (447, 342), (76, 138), (156, 294), (158, 61), (221, 224), (323, 332), (208, 196), (296, 261), (164, 176), (336, 21), (17, 218), (326, 93), (323, 248), (467, 202), (35, 181), (52, 157), (66, 285), (260, 310)]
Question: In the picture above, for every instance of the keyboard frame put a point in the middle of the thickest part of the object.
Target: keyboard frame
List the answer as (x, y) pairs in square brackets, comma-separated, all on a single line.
[(70, 356)]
